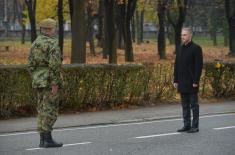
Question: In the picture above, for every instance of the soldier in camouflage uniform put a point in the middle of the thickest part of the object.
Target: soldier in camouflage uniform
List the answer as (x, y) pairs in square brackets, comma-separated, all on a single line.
[(44, 64)]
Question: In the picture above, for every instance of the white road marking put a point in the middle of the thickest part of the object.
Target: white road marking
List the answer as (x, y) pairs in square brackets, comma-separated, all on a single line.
[(158, 135), (77, 144), (222, 128), (91, 127), (218, 115), (112, 125), (17, 134), (65, 145), (32, 149)]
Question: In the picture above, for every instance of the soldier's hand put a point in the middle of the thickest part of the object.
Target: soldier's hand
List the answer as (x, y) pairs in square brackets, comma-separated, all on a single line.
[(175, 84), (195, 85), (54, 89)]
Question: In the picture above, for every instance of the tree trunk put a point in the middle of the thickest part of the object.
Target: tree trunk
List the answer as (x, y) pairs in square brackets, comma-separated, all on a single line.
[(110, 30), (78, 32), (182, 8), (225, 33), (23, 34), (120, 25), (71, 11), (161, 32), (214, 37), (232, 36), (31, 5), (120, 41), (100, 34), (90, 28), (61, 25), (230, 14), (23, 22), (142, 26), (133, 28), (105, 30), (129, 56), (170, 34), (91, 43), (128, 43), (138, 27), (213, 27), (178, 37)]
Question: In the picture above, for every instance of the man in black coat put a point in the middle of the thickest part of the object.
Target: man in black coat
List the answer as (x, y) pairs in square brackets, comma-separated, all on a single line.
[(187, 73)]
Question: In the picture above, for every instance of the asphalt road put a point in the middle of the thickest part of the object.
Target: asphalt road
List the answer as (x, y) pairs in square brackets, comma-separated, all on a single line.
[(216, 137)]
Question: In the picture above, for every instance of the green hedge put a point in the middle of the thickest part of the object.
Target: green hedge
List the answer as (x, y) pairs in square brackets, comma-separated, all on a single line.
[(219, 79), (106, 86)]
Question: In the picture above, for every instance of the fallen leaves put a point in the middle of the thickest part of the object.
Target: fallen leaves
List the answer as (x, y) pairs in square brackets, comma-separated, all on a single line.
[(146, 52)]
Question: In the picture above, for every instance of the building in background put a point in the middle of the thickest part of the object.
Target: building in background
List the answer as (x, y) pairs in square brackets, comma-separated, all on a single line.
[(10, 15)]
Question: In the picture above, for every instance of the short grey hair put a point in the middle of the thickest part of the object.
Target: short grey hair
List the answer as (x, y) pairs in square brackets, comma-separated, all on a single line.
[(188, 29)]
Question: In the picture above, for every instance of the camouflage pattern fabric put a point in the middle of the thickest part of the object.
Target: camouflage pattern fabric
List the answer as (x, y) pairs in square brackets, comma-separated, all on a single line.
[(48, 106), (44, 64)]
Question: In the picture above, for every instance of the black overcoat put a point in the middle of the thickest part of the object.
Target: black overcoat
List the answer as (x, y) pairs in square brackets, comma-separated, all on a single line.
[(188, 67)]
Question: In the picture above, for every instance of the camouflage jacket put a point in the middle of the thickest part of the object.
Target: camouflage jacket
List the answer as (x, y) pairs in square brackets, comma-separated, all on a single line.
[(44, 62)]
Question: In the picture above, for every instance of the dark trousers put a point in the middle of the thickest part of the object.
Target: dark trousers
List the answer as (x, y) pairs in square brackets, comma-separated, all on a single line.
[(190, 101)]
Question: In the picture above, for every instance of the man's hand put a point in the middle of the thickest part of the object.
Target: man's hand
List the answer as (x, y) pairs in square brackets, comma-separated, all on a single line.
[(54, 89), (195, 85), (175, 84)]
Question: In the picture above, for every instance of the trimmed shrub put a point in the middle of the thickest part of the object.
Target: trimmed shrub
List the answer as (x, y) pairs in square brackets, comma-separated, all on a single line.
[(220, 78), (103, 86)]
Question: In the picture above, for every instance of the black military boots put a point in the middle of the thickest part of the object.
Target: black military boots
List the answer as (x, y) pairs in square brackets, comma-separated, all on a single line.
[(47, 141)]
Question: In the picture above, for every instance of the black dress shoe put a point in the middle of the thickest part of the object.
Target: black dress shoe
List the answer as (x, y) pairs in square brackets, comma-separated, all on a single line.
[(193, 130), (184, 129)]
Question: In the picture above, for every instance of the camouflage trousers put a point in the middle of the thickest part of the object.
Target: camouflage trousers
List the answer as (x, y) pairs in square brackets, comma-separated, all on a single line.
[(47, 107)]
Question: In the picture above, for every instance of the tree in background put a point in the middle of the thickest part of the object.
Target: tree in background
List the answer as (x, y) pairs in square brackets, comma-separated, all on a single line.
[(90, 30), (70, 2), (161, 12), (120, 17), (142, 25), (117, 24), (225, 32), (100, 35), (46, 9), (61, 25), (130, 9), (138, 23), (176, 14), (230, 14), (110, 38), (215, 19), (133, 29), (170, 33), (31, 5), (78, 53), (141, 7), (22, 17), (150, 9), (23, 23)]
